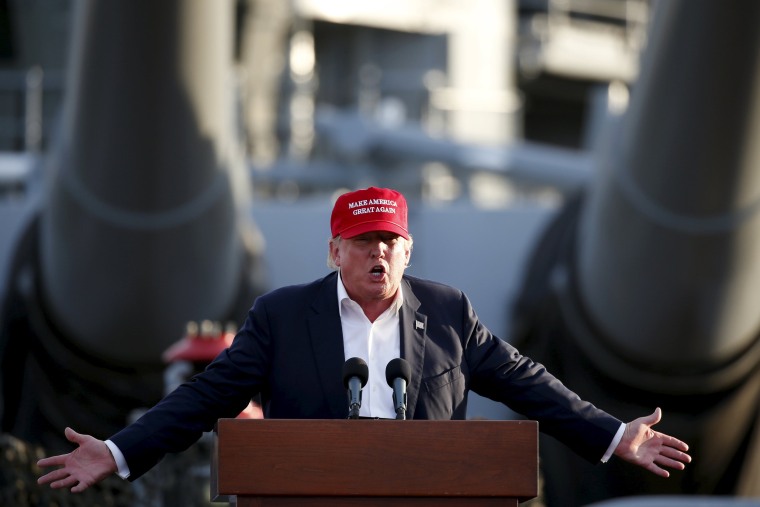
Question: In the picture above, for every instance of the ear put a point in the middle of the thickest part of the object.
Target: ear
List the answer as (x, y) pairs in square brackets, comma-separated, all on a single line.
[(335, 253)]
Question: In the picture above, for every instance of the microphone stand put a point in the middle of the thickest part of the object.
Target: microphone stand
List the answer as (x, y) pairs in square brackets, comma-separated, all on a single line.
[(400, 387), (353, 411)]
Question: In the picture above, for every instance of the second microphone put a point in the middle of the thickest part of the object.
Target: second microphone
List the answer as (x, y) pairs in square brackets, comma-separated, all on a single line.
[(397, 374)]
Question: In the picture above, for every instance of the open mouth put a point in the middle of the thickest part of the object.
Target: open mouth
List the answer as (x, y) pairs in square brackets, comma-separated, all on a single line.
[(377, 271)]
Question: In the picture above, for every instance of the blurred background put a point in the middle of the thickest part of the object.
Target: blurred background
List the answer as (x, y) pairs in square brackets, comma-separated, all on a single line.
[(585, 170)]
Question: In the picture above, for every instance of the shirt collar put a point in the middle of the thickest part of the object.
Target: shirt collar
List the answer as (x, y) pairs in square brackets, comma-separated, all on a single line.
[(343, 296)]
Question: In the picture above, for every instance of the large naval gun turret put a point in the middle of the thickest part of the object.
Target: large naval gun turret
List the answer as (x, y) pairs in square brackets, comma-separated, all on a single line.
[(643, 290), (143, 224)]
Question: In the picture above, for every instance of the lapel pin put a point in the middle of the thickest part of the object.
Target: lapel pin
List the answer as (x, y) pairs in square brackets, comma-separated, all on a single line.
[(418, 325)]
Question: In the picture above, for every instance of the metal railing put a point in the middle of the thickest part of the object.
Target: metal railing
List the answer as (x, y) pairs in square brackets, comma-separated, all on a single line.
[(29, 100)]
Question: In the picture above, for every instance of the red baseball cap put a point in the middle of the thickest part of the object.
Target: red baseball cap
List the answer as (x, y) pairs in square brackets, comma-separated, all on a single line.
[(367, 210)]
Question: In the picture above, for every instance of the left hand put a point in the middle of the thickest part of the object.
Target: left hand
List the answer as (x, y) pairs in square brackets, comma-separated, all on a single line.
[(650, 449)]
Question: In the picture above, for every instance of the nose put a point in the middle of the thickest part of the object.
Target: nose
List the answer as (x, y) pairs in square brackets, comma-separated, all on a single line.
[(378, 249)]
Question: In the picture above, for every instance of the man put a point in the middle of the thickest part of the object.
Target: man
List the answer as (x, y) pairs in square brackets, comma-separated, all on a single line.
[(295, 340)]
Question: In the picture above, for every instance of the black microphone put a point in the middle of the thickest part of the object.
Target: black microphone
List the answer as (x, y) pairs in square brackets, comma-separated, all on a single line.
[(397, 374), (355, 375)]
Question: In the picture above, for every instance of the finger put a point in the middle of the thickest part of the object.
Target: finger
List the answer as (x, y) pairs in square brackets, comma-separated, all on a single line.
[(670, 463), (668, 441), (52, 476), (65, 483), (677, 444), (675, 454), (79, 487), (652, 467), (52, 461)]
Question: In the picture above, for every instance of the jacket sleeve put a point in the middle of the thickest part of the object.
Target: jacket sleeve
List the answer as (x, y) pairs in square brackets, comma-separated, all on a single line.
[(498, 371), (222, 390)]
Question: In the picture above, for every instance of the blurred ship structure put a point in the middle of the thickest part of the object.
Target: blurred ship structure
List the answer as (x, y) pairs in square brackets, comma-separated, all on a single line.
[(164, 162), (642, 287)]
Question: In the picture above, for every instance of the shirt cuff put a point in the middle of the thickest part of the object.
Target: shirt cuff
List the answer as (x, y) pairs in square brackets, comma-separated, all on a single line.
[(614, 443), (121, 463)]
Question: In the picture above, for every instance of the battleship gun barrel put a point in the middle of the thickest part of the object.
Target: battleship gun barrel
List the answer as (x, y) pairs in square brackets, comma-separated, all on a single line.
[(141, 228), (670, 237)]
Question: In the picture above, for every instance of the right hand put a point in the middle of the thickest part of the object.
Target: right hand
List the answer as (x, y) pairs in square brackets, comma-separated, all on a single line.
[(88, 464)]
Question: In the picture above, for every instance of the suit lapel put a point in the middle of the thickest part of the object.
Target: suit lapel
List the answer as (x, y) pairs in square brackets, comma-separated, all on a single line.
[(326, 336), (413, 325)]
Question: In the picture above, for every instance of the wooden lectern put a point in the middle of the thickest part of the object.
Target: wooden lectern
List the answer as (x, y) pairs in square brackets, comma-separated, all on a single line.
[(365, 462)]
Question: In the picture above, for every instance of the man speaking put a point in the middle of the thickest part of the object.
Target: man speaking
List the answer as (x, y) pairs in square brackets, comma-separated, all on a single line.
[(295, 340)]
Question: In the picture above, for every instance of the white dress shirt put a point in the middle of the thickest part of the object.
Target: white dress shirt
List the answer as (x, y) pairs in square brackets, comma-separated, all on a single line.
[(377, 343)]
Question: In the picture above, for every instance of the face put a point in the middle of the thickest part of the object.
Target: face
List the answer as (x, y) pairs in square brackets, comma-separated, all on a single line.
[(371, 265)]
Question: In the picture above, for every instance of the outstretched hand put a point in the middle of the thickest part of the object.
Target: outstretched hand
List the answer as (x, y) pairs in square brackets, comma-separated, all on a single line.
[(650, 449), (88, 464)]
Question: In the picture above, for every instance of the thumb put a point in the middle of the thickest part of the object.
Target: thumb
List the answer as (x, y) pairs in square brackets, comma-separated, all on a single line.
[(654, 417), (73, 436)]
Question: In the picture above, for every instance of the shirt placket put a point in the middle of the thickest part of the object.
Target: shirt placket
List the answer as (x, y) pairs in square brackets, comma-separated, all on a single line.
[(372, 391)]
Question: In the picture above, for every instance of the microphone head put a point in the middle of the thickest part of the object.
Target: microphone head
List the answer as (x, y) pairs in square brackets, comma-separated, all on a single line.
[(355, 367), (397, 368)]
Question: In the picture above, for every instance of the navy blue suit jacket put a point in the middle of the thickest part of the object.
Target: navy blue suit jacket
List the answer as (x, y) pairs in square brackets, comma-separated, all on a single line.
[(290, 350)]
